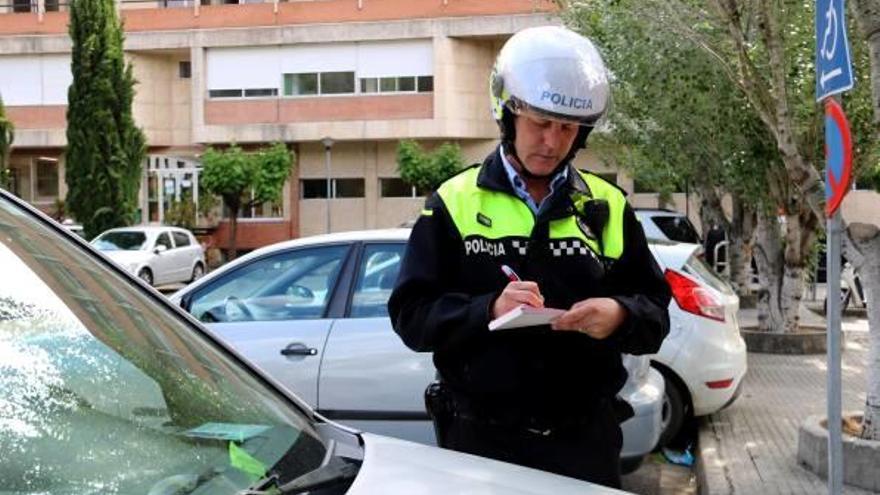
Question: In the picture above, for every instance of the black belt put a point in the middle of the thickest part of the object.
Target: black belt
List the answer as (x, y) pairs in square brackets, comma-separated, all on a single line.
[(543, 425)]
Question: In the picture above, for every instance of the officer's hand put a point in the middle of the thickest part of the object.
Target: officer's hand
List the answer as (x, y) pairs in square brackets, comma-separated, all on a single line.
[(517, 294), (597, 317)]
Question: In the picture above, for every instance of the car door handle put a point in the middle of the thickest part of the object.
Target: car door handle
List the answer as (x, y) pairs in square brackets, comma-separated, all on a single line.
[(298, 349)]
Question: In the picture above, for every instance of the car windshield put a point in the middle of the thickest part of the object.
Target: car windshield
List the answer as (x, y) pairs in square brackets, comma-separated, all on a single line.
[(677, 228), (105, 390), (121, 241)]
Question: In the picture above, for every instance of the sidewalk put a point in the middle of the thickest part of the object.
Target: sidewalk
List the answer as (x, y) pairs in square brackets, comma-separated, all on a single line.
[(751, 447)]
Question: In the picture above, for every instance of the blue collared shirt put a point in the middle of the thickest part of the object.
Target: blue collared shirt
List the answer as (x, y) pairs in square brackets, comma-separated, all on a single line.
[(519, 186)]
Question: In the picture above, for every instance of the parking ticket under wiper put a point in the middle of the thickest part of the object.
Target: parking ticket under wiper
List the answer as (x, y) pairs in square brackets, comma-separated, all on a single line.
[(226, 431)]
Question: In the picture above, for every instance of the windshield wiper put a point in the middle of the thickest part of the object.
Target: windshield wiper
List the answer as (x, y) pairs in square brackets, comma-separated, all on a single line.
[(332, 471)]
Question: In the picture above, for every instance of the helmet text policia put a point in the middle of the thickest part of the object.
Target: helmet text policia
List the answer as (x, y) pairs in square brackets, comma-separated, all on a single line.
[(553, 72)]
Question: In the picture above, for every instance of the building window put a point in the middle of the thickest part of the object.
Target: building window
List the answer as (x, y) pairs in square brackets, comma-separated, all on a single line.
[(324, 83), (258, 92), (184, 69), (426, 84), (47, 178), (300, 84), (406, 84), (388, 84), (395, 187), (225, 93), (335, 83), (348, 188), (402, 84), (22, 6), (339, 188), (313, 188)]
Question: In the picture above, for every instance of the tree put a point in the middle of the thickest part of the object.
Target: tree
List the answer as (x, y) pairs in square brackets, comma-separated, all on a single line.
[(243, 180), (679, 120), (7, 135), (766, 51), (426, 171), (105, 150)]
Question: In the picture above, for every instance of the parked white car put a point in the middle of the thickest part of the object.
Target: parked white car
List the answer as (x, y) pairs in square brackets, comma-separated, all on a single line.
[(703, 359), (667, 225), (312, 313), (106, 388), (158, 255)]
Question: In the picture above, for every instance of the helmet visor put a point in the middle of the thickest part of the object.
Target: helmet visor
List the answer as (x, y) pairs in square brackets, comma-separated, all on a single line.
[(519, 107)]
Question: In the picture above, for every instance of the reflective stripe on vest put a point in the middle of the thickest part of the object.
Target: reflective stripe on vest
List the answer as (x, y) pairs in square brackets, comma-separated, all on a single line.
[(494, 215)]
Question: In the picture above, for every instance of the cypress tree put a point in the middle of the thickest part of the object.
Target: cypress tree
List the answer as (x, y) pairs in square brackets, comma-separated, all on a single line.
[(105, 150), (7, 134)]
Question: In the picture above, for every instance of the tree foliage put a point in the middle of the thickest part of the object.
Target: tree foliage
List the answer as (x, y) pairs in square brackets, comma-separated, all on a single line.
[(243, 179), (7, 135), (721, 94), (105, 150), (427, 170)]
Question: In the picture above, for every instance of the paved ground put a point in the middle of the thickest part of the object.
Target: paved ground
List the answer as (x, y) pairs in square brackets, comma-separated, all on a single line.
[(751, 447), (658, 477)]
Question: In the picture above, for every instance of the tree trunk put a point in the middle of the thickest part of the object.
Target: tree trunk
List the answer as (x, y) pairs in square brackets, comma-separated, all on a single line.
[(866, 239), (770, 260), (234, 205), (739, 251)]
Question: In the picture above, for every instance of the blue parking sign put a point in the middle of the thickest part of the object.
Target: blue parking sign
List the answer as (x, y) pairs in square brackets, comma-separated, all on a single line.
[(833, 63)]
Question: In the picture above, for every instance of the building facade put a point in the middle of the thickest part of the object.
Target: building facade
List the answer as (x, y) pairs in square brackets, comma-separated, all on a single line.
[(341, 82)]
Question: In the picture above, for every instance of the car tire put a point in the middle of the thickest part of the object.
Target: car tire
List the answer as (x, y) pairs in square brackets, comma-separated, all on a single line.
[(675, 411), (198, 272), (146, 275)]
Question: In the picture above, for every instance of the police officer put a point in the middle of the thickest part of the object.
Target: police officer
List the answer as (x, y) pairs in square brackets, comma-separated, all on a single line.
[(545, 396)]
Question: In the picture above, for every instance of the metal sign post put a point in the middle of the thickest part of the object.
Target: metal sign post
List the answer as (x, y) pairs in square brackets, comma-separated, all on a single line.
[(835, 444), (838, 155)]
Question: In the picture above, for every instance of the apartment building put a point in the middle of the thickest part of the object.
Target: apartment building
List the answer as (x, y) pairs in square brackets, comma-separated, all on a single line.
[(340, 81)]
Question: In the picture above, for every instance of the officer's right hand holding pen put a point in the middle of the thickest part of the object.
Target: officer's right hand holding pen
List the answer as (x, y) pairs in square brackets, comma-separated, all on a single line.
[(516, 293)]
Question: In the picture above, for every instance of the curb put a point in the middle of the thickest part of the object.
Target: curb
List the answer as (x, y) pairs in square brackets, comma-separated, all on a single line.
[(713, 476)]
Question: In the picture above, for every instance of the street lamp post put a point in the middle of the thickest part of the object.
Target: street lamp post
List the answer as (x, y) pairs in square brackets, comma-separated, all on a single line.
[(328, 143)]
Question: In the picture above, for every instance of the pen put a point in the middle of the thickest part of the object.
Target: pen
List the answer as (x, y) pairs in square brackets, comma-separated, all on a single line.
[(511, 275)]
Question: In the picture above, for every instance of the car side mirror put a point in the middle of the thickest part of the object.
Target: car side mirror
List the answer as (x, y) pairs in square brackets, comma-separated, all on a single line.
[(160, 249)]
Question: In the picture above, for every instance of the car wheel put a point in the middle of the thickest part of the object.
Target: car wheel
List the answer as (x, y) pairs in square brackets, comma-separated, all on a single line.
[(146, 275), (674, 412), (198, 272)]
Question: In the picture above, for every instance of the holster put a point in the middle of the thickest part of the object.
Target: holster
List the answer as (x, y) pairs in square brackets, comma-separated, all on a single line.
[(438, 403)]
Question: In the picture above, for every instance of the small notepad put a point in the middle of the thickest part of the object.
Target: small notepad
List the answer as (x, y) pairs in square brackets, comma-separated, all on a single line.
[(524, 316)]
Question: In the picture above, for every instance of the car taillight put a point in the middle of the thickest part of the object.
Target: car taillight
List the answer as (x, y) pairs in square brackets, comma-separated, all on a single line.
[(693, 298)]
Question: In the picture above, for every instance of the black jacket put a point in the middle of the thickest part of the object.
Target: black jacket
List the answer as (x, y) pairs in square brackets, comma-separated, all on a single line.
[(443, 297)]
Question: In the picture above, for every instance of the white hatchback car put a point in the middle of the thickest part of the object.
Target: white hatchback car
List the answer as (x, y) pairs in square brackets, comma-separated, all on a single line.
[(667, 225), (703, 359), (312, 313), (158, 255)]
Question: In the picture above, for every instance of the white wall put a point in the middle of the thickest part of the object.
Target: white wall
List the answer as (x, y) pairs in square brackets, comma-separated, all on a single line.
[(241, 68), (35, 79), (262, 67)]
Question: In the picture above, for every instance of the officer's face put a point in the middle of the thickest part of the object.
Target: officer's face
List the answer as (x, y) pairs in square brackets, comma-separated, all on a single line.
[(542, 143)]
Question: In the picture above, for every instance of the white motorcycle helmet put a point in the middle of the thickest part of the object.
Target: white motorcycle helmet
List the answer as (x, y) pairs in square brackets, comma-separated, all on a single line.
[(553, 72)]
